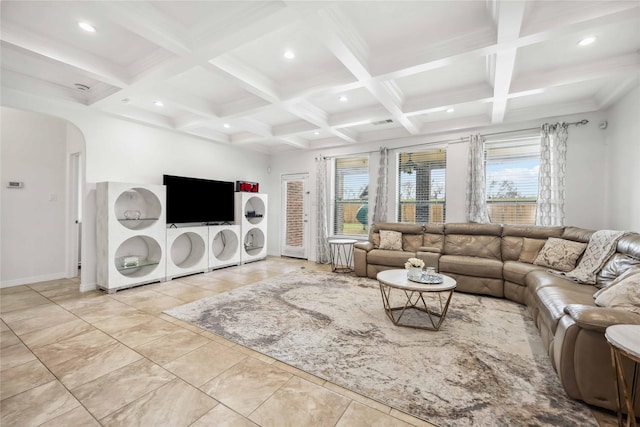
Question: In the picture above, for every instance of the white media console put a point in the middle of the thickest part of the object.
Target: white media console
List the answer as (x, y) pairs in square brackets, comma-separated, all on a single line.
[(135, 246)]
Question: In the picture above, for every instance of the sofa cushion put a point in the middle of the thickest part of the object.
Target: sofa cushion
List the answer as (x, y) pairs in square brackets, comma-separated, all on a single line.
[(560, 254), (471, 266), (553, 299), (531, 249), (411, 242), (473, 245), (389, 258), (515, 271), (391, 240), (511, 248)]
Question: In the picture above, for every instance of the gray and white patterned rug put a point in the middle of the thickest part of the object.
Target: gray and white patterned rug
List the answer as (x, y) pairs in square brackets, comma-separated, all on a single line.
[(485, 367)]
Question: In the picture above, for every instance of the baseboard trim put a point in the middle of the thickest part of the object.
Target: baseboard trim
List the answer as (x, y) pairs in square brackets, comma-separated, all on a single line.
[(34, 279)]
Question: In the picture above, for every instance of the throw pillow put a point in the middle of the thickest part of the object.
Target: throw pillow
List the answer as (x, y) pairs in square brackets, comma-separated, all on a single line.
[(560, 254), (391, 240), (631, 272), (530, 249), (624, 295)]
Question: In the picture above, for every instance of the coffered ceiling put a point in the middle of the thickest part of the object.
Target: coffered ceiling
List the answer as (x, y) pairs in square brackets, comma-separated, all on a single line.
[(362, 72)]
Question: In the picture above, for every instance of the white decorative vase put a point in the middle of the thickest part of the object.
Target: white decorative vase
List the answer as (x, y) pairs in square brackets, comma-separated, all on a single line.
[(414, 273)]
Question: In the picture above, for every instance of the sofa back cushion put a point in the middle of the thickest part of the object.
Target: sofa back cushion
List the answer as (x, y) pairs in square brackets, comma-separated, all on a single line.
[(513, 239), (530, 249), (404, 228), (411, 242), (624, 292), (479, 240), (433, 236)]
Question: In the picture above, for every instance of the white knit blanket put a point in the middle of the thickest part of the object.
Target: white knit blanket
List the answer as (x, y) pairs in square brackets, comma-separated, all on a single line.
[(602, 245)]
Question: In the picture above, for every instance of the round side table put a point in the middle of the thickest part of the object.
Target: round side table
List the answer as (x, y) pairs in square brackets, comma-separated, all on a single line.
[(341, 255), (624, 341)]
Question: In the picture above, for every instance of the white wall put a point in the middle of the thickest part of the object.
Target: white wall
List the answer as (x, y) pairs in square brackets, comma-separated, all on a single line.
[(586, 169), (33, 228), (120, 150), (622, 190)]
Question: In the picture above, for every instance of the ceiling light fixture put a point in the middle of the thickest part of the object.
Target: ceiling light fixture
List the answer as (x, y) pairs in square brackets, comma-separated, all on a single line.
[(158, 104), (289, 54), (587, 41), (450, 110), (343, 98), (317, 132), (87, 27), (226, 125)]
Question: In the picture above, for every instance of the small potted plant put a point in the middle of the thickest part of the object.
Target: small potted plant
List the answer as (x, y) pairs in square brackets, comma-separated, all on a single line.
[(415, 266)]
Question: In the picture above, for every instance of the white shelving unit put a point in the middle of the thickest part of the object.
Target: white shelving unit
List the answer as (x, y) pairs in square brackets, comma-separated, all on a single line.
[(188, 249), (250, 213), (224, 246), (131, 234)]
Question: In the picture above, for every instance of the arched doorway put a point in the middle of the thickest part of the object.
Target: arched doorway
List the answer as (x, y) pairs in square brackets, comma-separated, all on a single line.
[(43, 156)]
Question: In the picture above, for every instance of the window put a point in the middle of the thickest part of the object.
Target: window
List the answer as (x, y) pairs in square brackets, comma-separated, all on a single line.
[(351, 196), (512, 180), (421, 186)]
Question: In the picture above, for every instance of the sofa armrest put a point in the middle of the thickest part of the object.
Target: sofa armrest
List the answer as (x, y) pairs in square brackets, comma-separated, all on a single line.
[(430, 249), (366, 246), (599, 318)]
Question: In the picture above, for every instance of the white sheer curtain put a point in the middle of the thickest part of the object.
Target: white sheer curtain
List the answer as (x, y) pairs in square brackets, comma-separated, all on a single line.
[(322, 211), (551, 177), (381, 206), (476, 182)]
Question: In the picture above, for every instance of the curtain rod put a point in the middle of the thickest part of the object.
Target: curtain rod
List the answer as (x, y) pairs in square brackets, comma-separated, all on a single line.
[(448, 141)]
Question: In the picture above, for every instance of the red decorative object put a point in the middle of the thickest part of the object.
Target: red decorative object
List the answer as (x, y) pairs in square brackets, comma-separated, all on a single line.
[(247, 187)]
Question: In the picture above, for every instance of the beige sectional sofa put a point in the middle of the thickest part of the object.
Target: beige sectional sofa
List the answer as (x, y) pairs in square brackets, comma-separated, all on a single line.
[(497, 260)]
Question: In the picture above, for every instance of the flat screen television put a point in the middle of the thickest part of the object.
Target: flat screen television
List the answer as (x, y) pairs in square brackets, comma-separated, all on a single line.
[(194, 200)]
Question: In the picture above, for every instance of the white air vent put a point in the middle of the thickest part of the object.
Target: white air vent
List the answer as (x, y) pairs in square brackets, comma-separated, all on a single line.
[(382, 122)]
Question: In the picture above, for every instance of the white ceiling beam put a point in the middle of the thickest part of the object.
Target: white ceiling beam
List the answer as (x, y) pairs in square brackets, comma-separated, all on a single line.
[(148, 22), (509, 21), (248, 78), (187, 102), (91, 64), (342, 39), (458, 124)]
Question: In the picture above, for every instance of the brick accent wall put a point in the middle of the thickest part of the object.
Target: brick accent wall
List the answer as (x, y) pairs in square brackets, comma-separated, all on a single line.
[(295, 214)]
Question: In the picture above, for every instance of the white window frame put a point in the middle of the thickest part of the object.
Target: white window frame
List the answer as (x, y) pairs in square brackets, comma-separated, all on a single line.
[(332, 214)]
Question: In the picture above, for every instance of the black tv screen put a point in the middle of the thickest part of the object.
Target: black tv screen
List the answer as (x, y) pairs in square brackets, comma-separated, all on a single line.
[(198, 200)]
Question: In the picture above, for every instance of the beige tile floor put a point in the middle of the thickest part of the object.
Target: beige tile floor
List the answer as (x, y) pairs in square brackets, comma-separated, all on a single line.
[(80, 359)]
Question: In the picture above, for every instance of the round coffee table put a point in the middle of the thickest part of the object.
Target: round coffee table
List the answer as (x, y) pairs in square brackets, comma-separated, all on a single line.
[(415, 300), (624, 341)]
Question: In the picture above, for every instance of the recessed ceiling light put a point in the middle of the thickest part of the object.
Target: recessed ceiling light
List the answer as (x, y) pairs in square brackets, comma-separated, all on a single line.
[(586, 41), (87, 27), (317, 132), (343, 98), (450, 110), (158, 104), (289, 54), (226, 125)]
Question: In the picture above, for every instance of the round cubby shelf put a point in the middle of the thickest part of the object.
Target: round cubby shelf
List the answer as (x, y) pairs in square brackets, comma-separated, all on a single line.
[(187, 250), (254, 210), (254, 241), (137, 208), (138, 256), (224, 245)]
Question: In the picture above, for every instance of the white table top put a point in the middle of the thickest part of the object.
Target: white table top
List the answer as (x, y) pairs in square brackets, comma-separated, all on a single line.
[(625, 337), (398, 279), (342, 241)]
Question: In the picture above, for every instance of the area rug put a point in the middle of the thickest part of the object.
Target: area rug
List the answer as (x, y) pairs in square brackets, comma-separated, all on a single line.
[(485, 367)]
